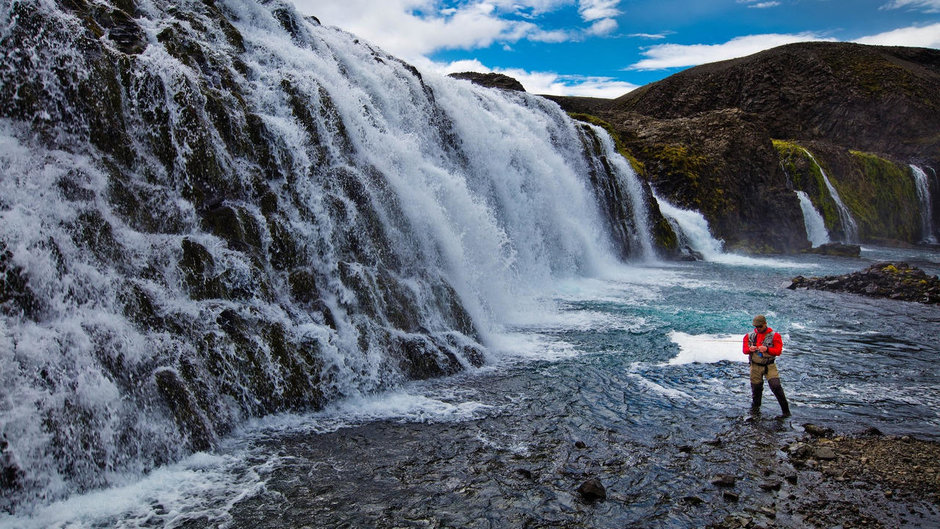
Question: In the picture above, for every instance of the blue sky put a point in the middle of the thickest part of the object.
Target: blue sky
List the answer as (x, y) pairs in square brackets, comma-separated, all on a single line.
[(604, 48)]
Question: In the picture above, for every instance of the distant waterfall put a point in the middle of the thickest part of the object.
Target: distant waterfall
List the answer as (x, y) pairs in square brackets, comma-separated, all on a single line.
[(692, 229), (926, 205), (816, 231), (213, 211), (849, 228)]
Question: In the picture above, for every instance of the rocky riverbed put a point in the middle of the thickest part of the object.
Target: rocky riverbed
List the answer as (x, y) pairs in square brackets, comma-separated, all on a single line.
[(829, 480)]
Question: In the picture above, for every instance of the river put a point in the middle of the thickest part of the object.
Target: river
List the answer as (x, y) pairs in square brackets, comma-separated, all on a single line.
[(635, 378)]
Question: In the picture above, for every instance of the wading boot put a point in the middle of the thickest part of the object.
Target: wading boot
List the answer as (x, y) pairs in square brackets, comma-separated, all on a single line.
[(781, 398), (757, 390)]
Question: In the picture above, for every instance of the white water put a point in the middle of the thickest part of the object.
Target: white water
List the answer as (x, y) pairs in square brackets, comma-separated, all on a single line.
[(633, 188), (479, 190), (926, 205), (849, 228), (815, 224), (692, 229)]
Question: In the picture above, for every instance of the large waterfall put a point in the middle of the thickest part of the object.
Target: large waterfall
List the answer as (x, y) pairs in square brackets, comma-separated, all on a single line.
[(926, 204), (216, 210)]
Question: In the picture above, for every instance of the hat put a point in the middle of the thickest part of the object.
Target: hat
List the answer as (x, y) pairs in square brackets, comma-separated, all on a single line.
[(760, 320)]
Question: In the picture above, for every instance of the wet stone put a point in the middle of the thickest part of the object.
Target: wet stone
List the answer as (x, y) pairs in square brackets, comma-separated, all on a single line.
[(724, 480), (592, 490)]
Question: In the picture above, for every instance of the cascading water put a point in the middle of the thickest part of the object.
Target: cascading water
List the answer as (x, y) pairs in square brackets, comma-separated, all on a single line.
[(692, 229), (626, 196), (926, 205), (849, 228), (816, 231), (216, 210)]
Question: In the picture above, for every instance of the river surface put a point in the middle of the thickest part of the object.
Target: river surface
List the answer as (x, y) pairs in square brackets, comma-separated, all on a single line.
[(636, 379)]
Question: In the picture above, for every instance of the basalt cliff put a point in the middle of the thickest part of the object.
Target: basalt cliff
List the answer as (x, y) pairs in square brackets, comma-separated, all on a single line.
[(737, 139)]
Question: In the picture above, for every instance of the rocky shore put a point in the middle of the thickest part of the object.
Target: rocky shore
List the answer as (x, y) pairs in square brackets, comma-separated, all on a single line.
[(882, 280), (830, 480)]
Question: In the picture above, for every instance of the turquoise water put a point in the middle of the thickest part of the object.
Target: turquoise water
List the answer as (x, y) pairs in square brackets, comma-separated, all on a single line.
[(643, 367)]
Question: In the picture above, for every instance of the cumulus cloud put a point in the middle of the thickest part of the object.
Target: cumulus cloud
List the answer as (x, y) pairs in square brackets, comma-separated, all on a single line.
[(413, 28), (548, 83), (930, 6), (663, 56), (922, 37), (598, 9), (602, 27)]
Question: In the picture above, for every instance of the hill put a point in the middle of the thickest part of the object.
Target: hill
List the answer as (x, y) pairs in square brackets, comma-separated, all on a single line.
[(706, 138)]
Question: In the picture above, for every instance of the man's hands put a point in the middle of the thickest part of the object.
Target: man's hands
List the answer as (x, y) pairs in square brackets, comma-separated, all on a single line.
[(757, 349)]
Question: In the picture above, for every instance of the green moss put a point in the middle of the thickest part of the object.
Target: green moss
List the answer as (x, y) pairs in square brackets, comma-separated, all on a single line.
[(806, 175), (618, 141), (883, 198)]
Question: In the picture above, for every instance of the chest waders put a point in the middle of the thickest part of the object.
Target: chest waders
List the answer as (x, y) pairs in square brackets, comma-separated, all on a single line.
[(764, 360)]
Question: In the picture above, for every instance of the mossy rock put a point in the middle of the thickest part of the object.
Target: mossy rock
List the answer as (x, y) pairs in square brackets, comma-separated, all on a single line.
[(883, 198)]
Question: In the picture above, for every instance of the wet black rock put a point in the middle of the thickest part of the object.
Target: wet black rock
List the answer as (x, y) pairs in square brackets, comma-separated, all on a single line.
[(724, 480), (817, 431), (772, 485), (592, 490), (837, 249), (883, 280), (490, 80)]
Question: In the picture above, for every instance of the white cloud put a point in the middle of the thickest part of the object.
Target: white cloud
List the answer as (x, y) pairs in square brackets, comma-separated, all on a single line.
[(930, 6), (652, 36), (662, 56), (922, 37), (759, 5), (591, 10), (602, 26), (413, 28), (548, 83)]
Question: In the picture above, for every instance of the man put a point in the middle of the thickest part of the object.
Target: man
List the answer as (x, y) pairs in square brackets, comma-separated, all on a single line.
[(763, 346)]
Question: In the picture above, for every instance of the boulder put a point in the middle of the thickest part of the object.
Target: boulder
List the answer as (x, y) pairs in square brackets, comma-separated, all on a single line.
[(836, 249), (882, 280), (592, 490)]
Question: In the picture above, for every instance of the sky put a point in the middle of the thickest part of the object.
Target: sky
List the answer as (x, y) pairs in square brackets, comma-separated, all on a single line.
[(605, 48)]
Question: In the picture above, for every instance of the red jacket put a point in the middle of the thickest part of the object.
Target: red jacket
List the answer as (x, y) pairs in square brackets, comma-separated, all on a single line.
[(774, 349)]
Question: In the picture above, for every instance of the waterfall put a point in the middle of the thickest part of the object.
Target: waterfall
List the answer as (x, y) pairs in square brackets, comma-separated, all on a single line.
[(926, 206), (849, 228), (816, 231), (211, 211), (692, 230), (623, 195)]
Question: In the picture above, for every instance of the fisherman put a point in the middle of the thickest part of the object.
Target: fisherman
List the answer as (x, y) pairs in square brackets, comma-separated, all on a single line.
[(763, 346)]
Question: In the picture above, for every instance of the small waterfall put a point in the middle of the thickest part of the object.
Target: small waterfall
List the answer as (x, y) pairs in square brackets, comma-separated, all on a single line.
[(815, 224), (849, 228), (692, 229), (926, 205), (624, 197)]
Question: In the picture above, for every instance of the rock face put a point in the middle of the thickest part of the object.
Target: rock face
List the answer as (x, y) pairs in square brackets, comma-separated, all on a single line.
[(491, 80), (705, 137), (884, 280)]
